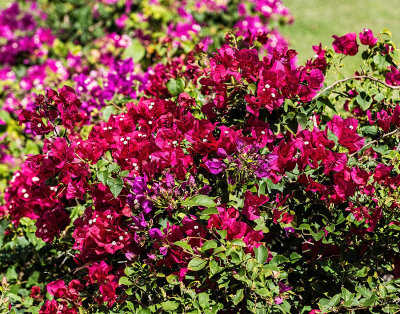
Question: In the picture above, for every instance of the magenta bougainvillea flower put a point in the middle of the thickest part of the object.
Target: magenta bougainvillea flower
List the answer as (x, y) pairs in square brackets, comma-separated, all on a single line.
[(346, 44), (393, 76), (367, 37)]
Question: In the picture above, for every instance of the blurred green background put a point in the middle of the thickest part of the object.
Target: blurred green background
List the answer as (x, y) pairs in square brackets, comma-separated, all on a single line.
[(317, 20)]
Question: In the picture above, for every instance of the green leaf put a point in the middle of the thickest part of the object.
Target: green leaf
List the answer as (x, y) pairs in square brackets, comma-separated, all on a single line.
[(286, 306), (238, 242), (253, 88), (369, 301), (261, 253), (33, 279), (263, 292), (302, 120), (3, 227), (381, 149), (33, 309), (335, 300), (325, 101), (210, 244), (383, 291), (170, 305), (115, 185), (214, 267), (204, 300), (385, 31), (366, 293), (209, 211), (124, 173), (173, 279), (184, 245), (346, 294), (294, 257), (11, 273), (370, 130), (222, 233), (362, 272), (317, 235), (102, 163), (364, 100), (113, 167), (124, 281), (333, 137), (5, 116), (204, 200), (129, 271), (176, 86), (278, 259), (136, 51), (200, 200), (102, 176), (107, 112), (379, 97), (143, 311), (380, 62), (197, 264), (238, 297), (395, 55)]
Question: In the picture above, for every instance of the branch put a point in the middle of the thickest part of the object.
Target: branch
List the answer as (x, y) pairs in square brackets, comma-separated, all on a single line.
[(378, 139), (357, 77)]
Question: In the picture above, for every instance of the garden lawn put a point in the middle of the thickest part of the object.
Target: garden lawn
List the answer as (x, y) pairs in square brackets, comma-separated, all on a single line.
[(317, 20)]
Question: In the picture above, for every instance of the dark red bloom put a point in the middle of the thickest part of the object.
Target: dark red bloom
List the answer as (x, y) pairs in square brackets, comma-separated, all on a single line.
[(367, 37), (346, 44)]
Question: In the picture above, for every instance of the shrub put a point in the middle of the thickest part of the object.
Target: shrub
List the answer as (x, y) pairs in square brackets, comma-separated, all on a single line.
[(231, 182)]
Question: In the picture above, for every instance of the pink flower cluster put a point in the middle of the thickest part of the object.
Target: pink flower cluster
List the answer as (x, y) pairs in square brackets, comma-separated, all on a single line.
[(348, 45), (277, 77)]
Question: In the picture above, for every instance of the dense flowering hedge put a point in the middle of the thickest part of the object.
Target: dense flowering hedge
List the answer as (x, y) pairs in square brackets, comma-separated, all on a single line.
[(176, 165)]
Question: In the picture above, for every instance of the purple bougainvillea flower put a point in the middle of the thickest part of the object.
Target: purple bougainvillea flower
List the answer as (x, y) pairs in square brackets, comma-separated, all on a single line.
[(266, 165), (288, 230), (155, 233), (215, 166), (346, 44)]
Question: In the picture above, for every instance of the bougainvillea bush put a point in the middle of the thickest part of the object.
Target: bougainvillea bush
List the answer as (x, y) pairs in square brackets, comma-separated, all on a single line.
[(158, 169)]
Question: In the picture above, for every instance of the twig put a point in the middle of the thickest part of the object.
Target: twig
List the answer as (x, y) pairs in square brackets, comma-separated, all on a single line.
[(378, 139), (357, 77)]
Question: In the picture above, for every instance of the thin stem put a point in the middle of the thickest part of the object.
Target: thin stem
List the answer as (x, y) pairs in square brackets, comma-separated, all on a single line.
[(357, 77), (378, 139)]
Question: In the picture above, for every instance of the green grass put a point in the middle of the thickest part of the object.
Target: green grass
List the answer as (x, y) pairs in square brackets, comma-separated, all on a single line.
[(317, 20)]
